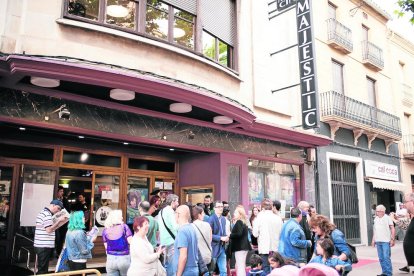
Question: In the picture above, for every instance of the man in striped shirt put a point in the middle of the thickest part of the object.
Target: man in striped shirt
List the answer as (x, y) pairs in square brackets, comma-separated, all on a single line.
[(44, 241)]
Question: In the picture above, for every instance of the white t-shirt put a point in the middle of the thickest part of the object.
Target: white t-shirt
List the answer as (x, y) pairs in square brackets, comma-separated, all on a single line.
[(382, 228)]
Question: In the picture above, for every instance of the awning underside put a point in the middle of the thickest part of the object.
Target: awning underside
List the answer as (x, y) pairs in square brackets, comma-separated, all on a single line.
[(388, 185)]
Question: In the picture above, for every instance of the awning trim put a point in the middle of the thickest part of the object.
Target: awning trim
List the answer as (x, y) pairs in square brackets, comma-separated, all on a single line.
[(385, 184)]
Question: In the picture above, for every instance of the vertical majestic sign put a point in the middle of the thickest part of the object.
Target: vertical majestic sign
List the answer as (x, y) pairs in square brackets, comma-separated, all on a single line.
[(308, 86)]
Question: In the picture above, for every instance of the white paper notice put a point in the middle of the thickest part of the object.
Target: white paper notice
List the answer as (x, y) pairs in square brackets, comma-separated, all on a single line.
[(168, 185), (159, 184), (107, 195)]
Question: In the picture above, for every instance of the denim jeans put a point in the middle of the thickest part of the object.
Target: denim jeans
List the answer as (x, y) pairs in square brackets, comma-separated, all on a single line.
[(168, 259), (265, 265), (384, 255), (221, 262), (117, 265)]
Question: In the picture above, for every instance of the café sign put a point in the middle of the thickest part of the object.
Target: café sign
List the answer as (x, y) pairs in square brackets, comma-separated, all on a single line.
[(381, 170)]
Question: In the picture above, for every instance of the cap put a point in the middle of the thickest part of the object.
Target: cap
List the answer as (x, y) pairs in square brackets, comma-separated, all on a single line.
[(155, 192), (57, 202)]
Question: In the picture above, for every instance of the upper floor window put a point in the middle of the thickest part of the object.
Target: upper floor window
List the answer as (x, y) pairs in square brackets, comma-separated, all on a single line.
[(173, 21), (331, 11)]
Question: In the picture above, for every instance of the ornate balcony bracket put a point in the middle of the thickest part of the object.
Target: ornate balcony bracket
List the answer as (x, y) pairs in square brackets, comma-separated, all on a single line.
[(371, 137), (357, 134), (334, 128), (388, 143)]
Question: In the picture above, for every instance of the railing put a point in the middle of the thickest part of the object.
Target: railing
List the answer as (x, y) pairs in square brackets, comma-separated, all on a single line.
[(24, 249), (336, 104), (340, 34), (82, 272), (372, 53), (408, 142)]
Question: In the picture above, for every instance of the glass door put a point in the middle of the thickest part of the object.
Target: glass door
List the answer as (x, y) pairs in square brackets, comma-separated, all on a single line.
[(166, 185), (137, 191), (105, 198), (7, 175)]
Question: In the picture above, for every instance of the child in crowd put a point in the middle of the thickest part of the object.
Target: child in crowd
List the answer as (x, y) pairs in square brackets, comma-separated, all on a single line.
[(256, 266), (282, 266), (325, 249)]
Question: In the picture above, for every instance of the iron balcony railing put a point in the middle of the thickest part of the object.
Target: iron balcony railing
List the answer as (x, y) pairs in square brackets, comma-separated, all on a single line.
[(340, 34), (408, 142), (336, 104), (372, 53)]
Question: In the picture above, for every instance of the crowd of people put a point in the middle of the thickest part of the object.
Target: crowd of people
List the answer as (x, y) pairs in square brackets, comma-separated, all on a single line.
[(174, 239)]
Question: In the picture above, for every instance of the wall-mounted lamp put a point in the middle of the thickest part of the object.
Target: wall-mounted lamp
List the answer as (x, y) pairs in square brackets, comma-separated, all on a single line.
[(62, 111), (302, 151), (190, 134)]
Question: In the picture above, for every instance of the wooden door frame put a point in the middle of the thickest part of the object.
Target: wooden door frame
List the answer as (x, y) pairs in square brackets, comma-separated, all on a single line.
[(206, 186)]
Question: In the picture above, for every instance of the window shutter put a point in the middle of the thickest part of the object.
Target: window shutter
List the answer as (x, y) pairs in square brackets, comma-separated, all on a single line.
[(218, 17), (186, 5)]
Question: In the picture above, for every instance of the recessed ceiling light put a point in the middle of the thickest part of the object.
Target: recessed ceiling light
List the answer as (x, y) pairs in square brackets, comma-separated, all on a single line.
[(122, 95), (172, 149), (126, 143), (81, 137), (222, 120), (84, 156), (44, 82), (180, 107), (22, 128)]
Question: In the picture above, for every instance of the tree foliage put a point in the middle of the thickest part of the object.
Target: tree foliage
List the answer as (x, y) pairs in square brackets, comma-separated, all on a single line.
[(406, 7)]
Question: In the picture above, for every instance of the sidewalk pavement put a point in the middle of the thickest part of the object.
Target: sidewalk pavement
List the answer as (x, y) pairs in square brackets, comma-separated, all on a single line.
[(369, 265)]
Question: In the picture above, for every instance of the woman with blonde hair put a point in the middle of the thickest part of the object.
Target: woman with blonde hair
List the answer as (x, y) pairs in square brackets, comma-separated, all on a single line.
[(239, 241), (116, 237)]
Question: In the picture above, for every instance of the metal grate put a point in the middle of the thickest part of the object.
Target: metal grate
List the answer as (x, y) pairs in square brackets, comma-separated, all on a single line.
[(345, 199)]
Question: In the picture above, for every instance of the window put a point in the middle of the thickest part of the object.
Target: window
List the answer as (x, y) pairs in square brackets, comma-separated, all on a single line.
[(365, 33), (216, 49), (372, 98), (338, 77), (173, 21)]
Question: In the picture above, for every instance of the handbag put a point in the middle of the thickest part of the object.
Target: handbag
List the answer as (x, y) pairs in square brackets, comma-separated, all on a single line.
[(202, 267), (63, 261), (352, 256)]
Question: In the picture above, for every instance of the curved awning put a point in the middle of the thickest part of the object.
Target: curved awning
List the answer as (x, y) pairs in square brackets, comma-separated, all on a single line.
[(385, 184)]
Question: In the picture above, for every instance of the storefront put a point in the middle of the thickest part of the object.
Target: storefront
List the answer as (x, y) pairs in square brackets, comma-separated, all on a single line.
[(116, 153)]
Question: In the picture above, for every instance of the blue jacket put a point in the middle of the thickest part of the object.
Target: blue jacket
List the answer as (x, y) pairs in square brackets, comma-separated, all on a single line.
[(216, 243), (339, 241), (332, 262), (78, 245), (292, 243)]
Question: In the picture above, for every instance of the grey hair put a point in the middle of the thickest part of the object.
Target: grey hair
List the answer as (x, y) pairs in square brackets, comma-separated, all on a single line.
[(145, 206), (171, 198), (295, 213), (410, 196), (381, 208)]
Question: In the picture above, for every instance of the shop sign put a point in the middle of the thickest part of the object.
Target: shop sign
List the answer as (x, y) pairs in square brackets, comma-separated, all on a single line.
[(381, 170), (308, 86), (285, 4)]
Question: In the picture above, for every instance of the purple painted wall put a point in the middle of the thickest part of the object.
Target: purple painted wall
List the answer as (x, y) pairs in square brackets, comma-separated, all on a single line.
[(238, 160), (200, 169)]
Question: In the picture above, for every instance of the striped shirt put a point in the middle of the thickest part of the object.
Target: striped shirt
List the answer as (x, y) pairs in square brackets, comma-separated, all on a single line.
[(42, 238)]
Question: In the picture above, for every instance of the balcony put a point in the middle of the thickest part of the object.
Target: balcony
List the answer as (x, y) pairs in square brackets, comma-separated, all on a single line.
[(407, 95), (338, 111), (408, 146), (372, 56), (339, 36)]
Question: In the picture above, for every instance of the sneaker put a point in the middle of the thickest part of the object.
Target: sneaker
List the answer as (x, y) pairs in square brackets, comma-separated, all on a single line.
[(404, 269)]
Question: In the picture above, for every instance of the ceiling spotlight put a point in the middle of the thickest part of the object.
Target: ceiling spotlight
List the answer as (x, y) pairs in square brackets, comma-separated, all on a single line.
[(222, 120), (84, 157), (22, 128), (122, 94), (163, 136), (180, 107), (44, 82), (63, 113), (191, 135), (172, 149), (81, 137), (126, 143)]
